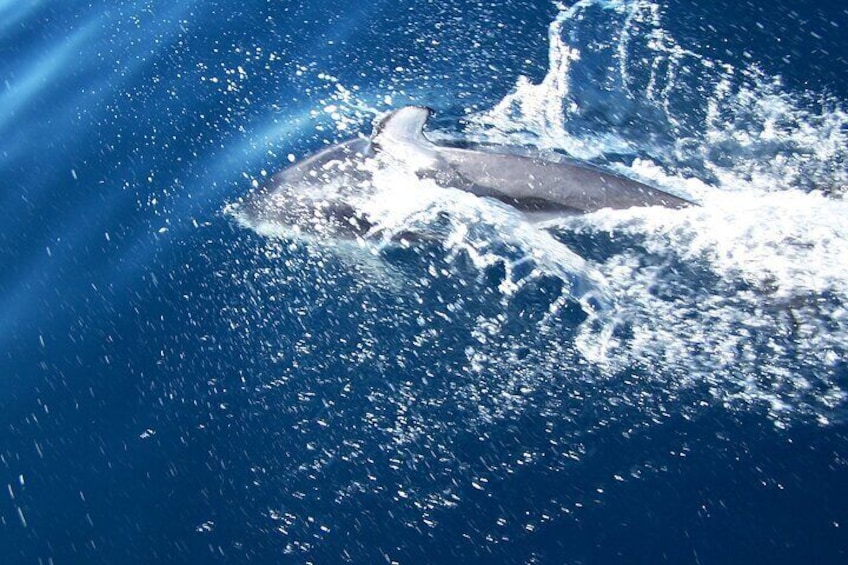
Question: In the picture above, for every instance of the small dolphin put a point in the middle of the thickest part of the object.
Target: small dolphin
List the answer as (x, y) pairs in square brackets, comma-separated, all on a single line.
[(314, 193)]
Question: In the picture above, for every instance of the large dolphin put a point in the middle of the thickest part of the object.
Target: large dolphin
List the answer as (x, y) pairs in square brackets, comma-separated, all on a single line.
[(313, 194)]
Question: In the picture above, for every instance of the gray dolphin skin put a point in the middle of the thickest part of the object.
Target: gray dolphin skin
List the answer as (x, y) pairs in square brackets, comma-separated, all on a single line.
[(541, 189)]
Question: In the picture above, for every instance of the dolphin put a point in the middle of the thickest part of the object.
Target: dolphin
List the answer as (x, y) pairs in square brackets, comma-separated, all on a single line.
[(315, 194)]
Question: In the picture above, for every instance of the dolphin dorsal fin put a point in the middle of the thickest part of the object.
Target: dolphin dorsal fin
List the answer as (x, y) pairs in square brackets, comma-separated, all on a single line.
[(405, 125)]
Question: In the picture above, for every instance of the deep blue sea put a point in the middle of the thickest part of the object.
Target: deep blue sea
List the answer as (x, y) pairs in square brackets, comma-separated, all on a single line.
[(632, 386)]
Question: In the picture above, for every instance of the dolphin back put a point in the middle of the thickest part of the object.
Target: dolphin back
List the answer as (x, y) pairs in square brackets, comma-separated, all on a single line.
[(529, 183), (533, 184)]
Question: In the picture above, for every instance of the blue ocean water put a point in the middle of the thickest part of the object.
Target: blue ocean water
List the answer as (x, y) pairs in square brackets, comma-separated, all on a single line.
[(632, 386)]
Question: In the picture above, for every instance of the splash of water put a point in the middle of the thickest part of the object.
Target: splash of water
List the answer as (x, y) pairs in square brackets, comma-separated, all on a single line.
[(739, 302), (768, 168), (619, 84), (770, 247)]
